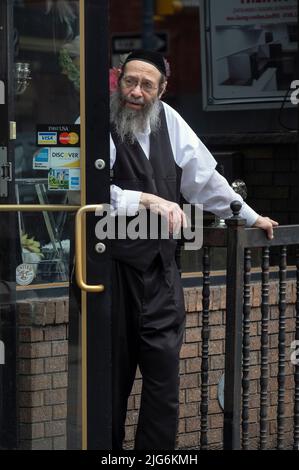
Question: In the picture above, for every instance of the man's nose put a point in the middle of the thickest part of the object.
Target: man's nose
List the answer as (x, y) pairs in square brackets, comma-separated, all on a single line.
[(137, 90)]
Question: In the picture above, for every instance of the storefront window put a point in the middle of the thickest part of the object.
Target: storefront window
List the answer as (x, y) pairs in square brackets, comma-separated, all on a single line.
[(47, 147)]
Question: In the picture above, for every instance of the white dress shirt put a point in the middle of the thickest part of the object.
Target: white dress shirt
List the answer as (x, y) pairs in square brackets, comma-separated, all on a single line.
[(200, 183)]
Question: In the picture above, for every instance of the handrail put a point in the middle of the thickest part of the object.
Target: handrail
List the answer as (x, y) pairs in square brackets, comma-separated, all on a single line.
[(283, 235), (253, 237)]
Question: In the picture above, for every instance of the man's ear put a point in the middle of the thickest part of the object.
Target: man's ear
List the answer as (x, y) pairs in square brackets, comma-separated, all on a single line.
[(163, 90)]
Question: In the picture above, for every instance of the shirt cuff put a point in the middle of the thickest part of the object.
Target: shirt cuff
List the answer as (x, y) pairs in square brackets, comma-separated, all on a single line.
[(129, 202), (249, 214)]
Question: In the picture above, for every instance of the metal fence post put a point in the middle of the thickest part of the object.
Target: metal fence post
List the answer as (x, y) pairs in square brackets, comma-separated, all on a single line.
[(233, 335)]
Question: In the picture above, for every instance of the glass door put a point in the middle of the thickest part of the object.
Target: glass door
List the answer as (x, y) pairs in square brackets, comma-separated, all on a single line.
[(54, 276)]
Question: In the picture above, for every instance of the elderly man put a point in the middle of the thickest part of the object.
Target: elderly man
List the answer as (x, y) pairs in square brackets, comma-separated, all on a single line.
[(155, 157)]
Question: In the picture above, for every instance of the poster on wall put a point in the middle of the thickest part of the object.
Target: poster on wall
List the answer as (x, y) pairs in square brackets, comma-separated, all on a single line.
[(251, 49)]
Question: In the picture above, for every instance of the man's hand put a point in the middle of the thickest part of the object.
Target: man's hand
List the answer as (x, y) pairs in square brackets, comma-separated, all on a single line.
[(170, 210), (266, 224)]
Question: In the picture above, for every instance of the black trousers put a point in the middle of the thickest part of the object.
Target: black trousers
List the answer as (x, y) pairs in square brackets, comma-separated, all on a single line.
[(148, 319)]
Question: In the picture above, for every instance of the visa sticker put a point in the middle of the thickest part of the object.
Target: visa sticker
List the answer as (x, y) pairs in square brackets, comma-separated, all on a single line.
[(47, 138)]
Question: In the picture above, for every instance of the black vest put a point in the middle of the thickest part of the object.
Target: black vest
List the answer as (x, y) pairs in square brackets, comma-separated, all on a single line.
[(158, 175)]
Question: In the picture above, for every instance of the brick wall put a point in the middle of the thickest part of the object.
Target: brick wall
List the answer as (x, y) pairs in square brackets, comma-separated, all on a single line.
[(190, 382), (42, 370), (42, 373)]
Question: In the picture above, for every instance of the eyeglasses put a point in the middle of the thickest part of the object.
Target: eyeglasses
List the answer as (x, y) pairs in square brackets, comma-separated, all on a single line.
[(132, 82)]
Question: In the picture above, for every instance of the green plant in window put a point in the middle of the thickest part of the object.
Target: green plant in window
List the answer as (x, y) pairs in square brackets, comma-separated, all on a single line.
[(69, 67), (33, 246)]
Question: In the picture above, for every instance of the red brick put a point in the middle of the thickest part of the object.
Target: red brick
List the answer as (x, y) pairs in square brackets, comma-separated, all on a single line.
[(216, 421), (59, 380), (256, 295), (60, 411), (59, 348), (213, 392), (255, 315), (191, 409), (132, 417), (55, 364), (191, 319), (255, 343), (131, 403), (273, 341), (55, 428), (42, 444), (216, 347), (193, 300), (215, 436), (214, 407), (31, 366), (38, 382), (254, 401), (60, 312), (137, 387), (35, 414), (193, 365), (253, 329), (130, 433), (215, 299), (32, 431), (24, 310), (137, 399), (255, 358), (30, 334), (216, 362), (214, 376), (54, 397), (55, 332), (192, 424), (189, 381), (182, 426), (31, 398), (216, 318), (35, 350), (193, 335), (189, 350), (193, 395), (190, 439), (217, 332), (50, 312), (59, 443), (39, 313)]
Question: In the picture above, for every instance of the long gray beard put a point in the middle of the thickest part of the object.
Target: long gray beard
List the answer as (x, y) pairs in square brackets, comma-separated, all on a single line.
[(129, 122)]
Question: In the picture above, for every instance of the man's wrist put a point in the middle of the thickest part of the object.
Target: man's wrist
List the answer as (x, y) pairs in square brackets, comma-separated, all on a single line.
[(147, 199), (249, 214)]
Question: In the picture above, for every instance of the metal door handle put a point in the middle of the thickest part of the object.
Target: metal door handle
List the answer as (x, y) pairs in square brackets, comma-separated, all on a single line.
[(81, 249)]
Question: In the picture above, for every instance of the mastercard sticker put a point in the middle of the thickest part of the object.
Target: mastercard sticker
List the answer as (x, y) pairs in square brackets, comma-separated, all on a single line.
[(74, 138), (68, 138)]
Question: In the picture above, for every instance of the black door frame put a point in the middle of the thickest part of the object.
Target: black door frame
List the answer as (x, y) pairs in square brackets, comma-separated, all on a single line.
[(98, 354), (8, 230), (95, 189)]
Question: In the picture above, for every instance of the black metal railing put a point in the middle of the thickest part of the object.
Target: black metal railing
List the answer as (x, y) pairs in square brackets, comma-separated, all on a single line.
[(239, 242)]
